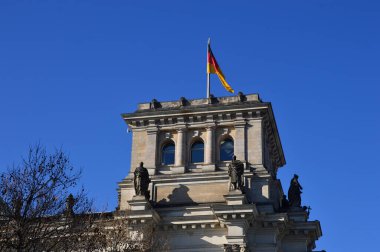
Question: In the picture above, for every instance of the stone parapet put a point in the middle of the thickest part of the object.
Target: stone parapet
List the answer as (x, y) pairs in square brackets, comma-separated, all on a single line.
[(199, 102)]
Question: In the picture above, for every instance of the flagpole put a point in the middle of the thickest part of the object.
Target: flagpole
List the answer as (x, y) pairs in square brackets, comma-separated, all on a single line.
[(208, 74)]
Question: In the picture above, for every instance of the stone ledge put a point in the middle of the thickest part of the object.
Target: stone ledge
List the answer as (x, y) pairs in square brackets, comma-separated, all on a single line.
[(235, 198), (188, 104), (177, 169), (139, 203)]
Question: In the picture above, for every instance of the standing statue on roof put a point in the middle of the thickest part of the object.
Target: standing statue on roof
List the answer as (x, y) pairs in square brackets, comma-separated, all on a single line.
[(294, 193), (236, 171), (141, 181)]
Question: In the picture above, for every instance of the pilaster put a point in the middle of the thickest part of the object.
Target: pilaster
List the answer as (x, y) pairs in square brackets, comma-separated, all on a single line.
[(240, 141), (255, 144), (150, 161)]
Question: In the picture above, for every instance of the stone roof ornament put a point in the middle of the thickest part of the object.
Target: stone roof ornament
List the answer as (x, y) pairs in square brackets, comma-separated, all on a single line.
[(183, 101), (70, 202), (154, 104), (242, 97), (234, 248), (308, 210), (212, 99)]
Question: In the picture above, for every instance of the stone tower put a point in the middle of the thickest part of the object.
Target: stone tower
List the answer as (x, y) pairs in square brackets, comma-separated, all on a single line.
[(187, 147)]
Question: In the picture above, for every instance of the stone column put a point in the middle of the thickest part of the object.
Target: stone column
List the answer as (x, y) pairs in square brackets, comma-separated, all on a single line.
[(150, 161), (180, 150), (209, 147), (209, 159), (240, 141)]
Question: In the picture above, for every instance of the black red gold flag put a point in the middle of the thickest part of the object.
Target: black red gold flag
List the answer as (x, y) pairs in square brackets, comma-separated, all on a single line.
[(213, 68)]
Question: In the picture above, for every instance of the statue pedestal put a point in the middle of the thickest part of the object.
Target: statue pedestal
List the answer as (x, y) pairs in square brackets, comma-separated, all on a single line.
[(297, 214), (141, 211), (296, 209), (236, 215), (151, 171), (139, 202), (235, 197)]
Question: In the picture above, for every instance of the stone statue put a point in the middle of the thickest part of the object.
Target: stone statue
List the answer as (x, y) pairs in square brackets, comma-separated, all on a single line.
[(236, 171), (141, 181), (234, 248), (70, 202), (294, 192), (227, 248)]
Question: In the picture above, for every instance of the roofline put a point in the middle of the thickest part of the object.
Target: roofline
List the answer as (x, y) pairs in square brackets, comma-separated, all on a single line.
[(185, 111), (277, 134)]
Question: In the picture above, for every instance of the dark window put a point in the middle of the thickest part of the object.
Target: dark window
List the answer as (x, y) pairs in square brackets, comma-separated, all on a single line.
[(226, 150), (168, 152), (197, 152)]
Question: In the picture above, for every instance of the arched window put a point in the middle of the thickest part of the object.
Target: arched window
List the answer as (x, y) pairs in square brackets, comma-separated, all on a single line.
[(168, 153), (226, 149), (197, 152)]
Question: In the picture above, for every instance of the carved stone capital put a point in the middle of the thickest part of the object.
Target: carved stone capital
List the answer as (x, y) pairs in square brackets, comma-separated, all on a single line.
[(152, 130), (181, 130), (210, 127), (226, 131), (240, 124)]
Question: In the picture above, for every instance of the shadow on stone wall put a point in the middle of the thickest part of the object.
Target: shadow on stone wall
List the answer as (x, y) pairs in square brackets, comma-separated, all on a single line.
[(179, 195)]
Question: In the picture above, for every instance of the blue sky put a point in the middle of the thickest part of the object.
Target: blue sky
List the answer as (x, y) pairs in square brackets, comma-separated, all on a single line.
[(68, 69)]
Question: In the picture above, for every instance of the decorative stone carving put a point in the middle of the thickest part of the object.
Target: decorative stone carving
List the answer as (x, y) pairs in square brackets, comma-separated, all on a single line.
[(168, 135), (141, 181), (212, 99), (154, 104), (118, 200), (226, 131), (236, 171), (70, 202), (227, 247), (196, 133), (241, 97), (183, 101), (294, 192), (234, 248), (244, 248)]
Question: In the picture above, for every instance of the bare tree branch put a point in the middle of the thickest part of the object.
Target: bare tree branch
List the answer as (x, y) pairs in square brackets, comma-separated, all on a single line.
[(38, 212), (33, 196)]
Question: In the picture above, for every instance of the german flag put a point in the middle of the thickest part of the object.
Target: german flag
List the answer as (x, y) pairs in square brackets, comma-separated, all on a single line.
[(213, 68)]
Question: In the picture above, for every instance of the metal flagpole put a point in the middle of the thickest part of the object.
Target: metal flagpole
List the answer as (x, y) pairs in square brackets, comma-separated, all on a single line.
[(208, 74)]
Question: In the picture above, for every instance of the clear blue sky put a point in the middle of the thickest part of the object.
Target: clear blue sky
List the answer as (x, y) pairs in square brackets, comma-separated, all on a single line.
[(68, 69)]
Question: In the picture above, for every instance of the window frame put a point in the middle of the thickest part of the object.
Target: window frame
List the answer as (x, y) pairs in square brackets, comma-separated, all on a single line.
[(227, 138), (164, 145), (197, 141)]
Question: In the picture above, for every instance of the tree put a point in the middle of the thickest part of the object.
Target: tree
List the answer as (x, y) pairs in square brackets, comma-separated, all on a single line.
[(34, 214), (38, 212), (123, 234)]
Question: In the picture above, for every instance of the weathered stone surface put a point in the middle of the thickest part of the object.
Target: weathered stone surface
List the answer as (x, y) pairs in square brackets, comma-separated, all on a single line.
[(191, 193), (191, 202)]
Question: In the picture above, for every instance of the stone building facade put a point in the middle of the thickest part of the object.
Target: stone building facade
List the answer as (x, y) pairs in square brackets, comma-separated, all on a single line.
[(187, 145)]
